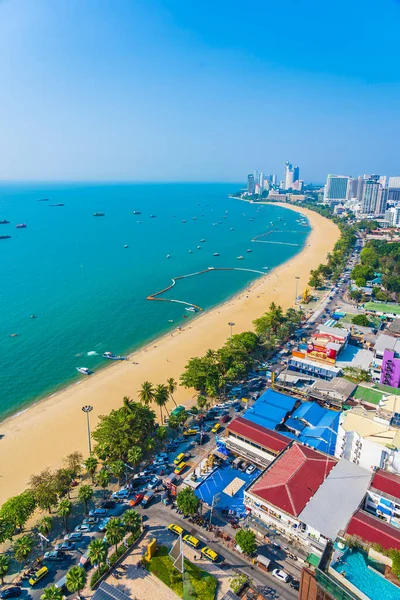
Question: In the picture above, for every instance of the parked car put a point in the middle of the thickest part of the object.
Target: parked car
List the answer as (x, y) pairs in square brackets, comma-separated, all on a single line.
[(154, 483), (109, 504), (225, 419), (191, 540), (137, 498), (53, 555), (295, 584), (64, 546), (190, 431), (90, 521), (122, 494), (11, 592), (175, 529), (98, 512), (83, 528), (216, 427), (282, 575), (73, 537), (160, 462), (161, 455), (103, 523), (250, 469), (208, 553), (179, 468)]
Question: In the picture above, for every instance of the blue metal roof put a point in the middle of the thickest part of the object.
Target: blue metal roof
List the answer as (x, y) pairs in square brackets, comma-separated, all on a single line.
[(270, 409)]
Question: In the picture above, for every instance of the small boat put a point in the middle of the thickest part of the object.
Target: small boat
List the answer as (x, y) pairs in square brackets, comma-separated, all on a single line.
[(194, 218), (20, 226), (13, 335), (84, 370), (183, 221), (190, 252), (170, 320), (137, 212), (190, 309), (239, 257), (152, 216), (126, 246), (43, 200), (33, 316), (168, 256), (198, 247), (112, 356), (231, 229), (5, 237), (216, 254), (202, 240), (58, 204), (265, 268), (98, 214), (249, 250), (4, 222)]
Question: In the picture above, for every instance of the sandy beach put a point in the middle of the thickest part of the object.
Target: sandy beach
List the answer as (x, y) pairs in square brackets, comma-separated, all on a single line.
[(46, 432)]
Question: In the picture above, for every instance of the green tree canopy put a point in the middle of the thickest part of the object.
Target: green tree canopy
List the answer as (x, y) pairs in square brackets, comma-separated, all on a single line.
[(44, 490), (246, 539), (65, 510), (76, 580), (4, 566), (117, 432), (18, 509), (85, 494), (361, 320), (131, 520), (98, 553), (187, 501), (103, 479), (91, 464), (115, 531), (45, 525), (23, 547), (52, 592)]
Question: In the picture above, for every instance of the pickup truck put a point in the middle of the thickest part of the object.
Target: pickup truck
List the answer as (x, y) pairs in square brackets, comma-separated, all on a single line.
[(148, 497)]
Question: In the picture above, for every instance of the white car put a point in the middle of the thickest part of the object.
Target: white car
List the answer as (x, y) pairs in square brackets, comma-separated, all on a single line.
[(82, 528), (250, 469), (103, 523), (98, 512), (122, 494), (160, 456), (282, 575)]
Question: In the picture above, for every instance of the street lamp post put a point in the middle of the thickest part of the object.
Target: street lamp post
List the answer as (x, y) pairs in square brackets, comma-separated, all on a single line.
[(87, 409), (231, 324), (297, 286)]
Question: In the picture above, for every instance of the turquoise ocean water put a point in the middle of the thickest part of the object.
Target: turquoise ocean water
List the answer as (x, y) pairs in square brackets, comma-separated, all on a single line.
[(71, 270)]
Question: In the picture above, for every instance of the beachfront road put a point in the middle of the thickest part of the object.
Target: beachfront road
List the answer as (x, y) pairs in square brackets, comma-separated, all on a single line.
[(158, 516)]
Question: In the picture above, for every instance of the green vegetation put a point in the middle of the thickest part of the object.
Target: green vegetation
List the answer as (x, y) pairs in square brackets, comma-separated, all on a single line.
[(361, 320), (76, 580), (383, 308), (187, 501), (98, 553), (276, 327), (91, 465), (23, 547), (115, 532), (356, 375), (85, 494), (52, 593), (383, 257), (246, 539), (65, 510), (202, 585), (238, 583), (4, 566), (117, 432), (18, 509)]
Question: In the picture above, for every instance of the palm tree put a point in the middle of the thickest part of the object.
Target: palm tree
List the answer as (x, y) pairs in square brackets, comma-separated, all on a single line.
[(91, 465), (98, 553), (76, 580), (127, 405), (161, 396), (161, 434), (23, 547), (135, 455), (114, 532), (52, 593), (131, 520), (172, 386), (45, 525), (85, 494), (146, 393), (4, 566), (64, 510), (118, 469), (103, 479)]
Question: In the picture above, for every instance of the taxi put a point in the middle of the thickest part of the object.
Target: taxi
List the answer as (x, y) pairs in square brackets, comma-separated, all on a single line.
[(191, 541), (208, 553), (179, 458), (38, 576), (175, 529), (216, 427), (179, 468), (190, 432)]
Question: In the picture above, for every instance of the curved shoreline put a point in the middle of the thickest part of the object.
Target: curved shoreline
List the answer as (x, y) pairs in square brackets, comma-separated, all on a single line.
[(43, 433)]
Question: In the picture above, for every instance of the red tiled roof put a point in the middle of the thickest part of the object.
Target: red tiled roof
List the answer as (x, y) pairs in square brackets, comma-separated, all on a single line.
[(374, 530), (293, 478), (270, 440), (389, 483)]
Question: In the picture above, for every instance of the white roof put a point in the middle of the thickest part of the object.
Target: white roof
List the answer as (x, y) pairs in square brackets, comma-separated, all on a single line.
[(387, 342), (335, 331), (334, 503)]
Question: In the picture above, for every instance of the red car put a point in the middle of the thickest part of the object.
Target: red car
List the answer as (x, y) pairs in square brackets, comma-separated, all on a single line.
[(136, 500), (225, 419)]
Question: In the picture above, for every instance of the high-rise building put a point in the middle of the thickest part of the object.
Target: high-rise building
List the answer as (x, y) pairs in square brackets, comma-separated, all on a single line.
[(374, 198), (250, 183), (296, 173), (273, 179), (360, 188), (288, 179), (392, 215), (352, 189), (336, 189), (394, 189)]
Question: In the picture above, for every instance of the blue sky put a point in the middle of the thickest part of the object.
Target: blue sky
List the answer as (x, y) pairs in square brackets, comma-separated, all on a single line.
[(181, 90)]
